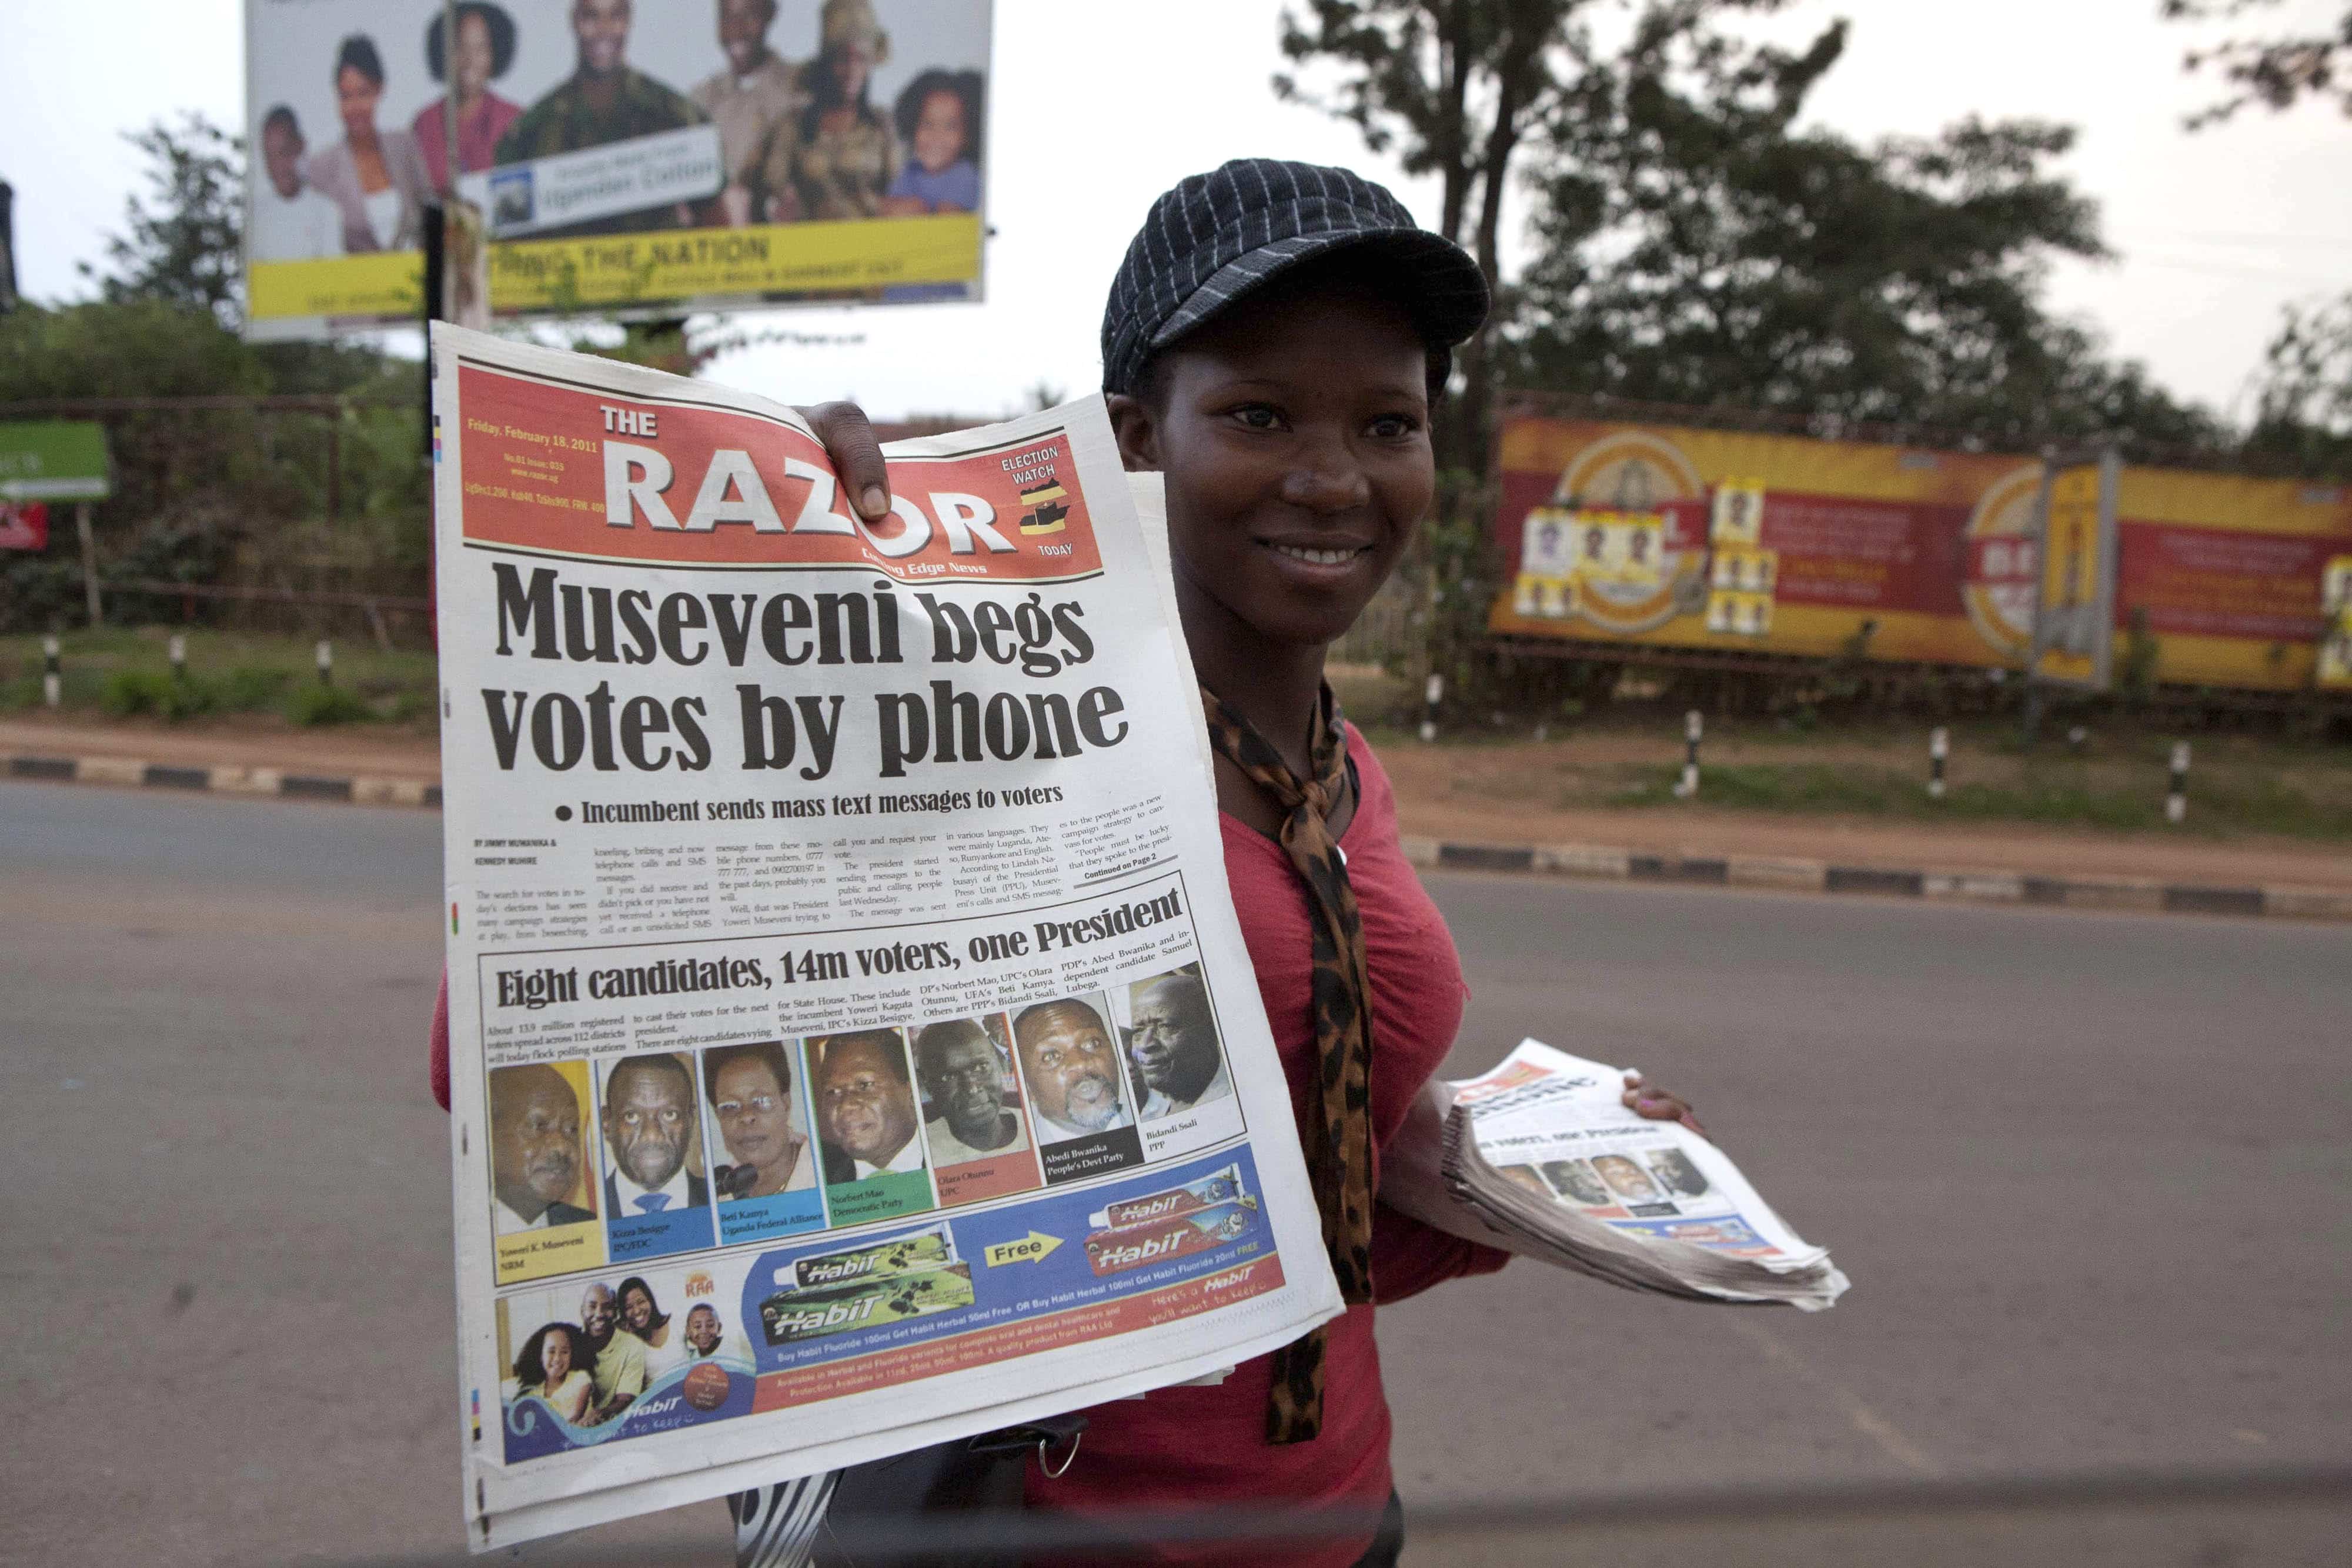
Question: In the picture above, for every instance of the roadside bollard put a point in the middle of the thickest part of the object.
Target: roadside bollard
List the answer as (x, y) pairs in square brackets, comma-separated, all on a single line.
[(326, 662), (1688, 786), (53, 673), (1431, 696), (2176, 803), (1939, 746), (179, 646)]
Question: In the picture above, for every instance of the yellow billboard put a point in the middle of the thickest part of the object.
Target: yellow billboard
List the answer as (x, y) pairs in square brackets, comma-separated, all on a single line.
[(1786, 544)]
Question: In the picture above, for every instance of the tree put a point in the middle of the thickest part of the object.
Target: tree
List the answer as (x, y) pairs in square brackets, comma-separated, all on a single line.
[(183, 241), (2273, 71), (196, 490), (1456, 89), (2302, 418), (1696, 247)]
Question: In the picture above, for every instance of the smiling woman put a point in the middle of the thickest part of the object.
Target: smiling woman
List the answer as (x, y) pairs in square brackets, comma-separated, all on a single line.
[(1272, 346)]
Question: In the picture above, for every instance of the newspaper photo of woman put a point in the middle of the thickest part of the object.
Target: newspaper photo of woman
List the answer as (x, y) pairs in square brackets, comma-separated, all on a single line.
[(556, 1366), (749, 1088), (641, 1316), (376, 177), (485, 48)]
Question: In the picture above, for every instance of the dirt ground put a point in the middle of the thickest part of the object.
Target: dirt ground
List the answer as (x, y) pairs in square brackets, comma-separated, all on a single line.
[(1493, 794)]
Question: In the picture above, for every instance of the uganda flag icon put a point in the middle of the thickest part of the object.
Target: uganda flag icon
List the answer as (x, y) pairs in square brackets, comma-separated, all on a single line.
[(1047, 514)]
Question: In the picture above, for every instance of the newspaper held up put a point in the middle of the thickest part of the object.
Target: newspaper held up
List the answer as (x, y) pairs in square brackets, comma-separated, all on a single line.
[(1541, 1158), (804, 878)]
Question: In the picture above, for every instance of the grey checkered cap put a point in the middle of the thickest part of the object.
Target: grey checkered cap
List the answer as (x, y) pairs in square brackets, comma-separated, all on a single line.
[(1218, 237)]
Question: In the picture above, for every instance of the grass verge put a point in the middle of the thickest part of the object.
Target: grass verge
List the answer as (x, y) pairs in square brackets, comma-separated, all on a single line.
[(126, 673)]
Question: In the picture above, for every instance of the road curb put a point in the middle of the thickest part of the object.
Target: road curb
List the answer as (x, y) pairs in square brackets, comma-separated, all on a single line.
[(132, 772), (1602, 861), (1608, 862)]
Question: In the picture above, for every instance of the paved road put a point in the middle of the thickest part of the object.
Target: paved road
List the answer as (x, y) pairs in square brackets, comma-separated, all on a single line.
[(2089, 1174)]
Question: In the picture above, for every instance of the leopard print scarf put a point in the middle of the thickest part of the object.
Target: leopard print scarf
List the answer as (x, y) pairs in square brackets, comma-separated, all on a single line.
[(1339, 1140)]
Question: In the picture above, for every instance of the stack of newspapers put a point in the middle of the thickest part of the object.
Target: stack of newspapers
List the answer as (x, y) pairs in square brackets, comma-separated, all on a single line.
[(1541, 1158)]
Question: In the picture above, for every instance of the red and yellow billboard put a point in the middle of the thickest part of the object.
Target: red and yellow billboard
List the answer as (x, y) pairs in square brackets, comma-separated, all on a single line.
[(1680, 538)]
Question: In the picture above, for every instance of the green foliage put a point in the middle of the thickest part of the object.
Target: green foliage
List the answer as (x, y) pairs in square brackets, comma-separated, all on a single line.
[(1696, 247), (1455, 88), (2303, 419), (182, 240), (132, 692), (316, 704), (249, 689), (2217, 804), (2273, 71), (214, 495)]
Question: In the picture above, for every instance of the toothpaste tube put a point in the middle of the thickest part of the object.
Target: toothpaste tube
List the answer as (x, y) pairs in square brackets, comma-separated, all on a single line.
[(1132, 1247), (792, 1317), (910, 1254), (1204, 1192)]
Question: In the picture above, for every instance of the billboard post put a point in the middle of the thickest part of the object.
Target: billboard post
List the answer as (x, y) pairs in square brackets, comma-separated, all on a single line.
[(2074, 611)]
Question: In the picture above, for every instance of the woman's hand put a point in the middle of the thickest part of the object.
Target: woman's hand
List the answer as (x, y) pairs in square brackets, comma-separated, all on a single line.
[(855, 455), (1658, 1105)]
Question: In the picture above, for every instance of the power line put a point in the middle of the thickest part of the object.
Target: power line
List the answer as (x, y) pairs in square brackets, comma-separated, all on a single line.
[(2321, 242), (2225, 270)]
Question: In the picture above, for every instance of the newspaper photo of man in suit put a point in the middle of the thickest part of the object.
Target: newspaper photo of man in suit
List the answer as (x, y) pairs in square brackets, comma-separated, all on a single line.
[(535, 1158), (649, 1131)]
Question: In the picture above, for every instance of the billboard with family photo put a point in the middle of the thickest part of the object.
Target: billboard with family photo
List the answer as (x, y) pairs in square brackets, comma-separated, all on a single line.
[(633, 157)]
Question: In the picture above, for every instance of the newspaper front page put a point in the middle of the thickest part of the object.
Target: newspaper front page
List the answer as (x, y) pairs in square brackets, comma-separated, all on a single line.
[(853, 1045), (1555, 1123)]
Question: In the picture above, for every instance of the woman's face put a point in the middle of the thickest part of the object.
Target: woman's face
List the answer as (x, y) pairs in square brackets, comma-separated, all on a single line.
[(1294, 433), (555, 1355), (470, 61), (355, 97), (637, 1311), (754, 1114), (938, 131)]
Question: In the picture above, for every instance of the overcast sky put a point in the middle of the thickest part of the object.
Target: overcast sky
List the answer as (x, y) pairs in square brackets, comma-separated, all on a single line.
[(1096, 108)]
